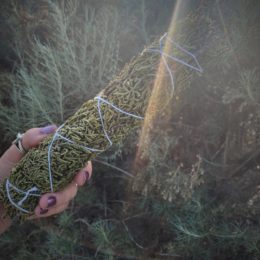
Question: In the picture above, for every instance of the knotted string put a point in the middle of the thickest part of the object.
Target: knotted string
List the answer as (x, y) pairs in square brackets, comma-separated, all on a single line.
[(164, 54), (55, 137), (26, 194), (101, 100)]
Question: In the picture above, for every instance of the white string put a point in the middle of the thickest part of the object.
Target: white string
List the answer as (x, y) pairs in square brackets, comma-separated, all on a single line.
[(170, 73), (57, 135), (54, 138), (26, 195), (8, 184), (100, 100), (198, 68)]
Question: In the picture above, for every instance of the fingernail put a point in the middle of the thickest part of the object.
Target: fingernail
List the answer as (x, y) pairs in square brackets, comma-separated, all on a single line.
[(49, 129), (51, 201), (87, 175), (43, 211)]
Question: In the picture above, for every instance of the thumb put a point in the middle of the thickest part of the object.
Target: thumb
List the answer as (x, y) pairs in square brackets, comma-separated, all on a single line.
[(30, 139), (34, 136)]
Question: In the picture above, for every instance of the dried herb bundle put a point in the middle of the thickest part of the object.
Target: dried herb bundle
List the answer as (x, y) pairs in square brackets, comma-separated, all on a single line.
[(130, 92)]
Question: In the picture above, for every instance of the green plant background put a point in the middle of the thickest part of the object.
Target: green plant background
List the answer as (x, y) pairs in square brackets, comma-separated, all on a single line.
[(194, 192)]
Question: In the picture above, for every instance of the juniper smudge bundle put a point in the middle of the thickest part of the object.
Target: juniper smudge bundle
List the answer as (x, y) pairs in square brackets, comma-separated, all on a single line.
[(90, 127)]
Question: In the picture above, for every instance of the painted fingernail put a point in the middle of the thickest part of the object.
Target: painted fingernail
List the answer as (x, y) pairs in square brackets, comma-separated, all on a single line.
[(87, 175), (51, 201), (43, 211), (49, 129)]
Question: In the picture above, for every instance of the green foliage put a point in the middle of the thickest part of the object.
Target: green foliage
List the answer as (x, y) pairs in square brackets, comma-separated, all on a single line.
[(78, 56), (102, 232), (214, 115)]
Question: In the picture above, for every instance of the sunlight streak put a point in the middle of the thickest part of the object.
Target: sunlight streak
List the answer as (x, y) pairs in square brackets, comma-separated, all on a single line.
[(160, 94)]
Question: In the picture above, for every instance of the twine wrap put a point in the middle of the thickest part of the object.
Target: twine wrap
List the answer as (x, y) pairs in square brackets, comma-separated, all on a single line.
[(100, 122), (129, 91)]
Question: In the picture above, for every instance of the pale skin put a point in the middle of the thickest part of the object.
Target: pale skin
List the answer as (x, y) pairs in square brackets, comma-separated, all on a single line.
[(49, 203)]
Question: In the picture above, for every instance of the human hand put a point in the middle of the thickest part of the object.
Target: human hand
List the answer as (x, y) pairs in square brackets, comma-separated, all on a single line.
[(54, 203), (49, 203)]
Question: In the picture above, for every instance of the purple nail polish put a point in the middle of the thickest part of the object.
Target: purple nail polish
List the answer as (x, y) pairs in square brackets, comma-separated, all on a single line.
[(87, 175), (43, 211), (49, 129), (51, 201)]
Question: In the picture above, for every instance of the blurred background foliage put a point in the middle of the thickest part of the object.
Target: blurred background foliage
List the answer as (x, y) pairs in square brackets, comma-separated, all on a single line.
[(193, 193)]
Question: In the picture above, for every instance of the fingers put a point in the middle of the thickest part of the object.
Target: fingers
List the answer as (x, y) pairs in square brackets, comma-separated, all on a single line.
[(43, 213), (84, 174), (53, 203), (34, 136), (49, 200), (30, 139)]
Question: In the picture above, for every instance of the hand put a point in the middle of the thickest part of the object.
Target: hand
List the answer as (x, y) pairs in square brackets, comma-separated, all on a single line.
[(54, 203), (49, 203)]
